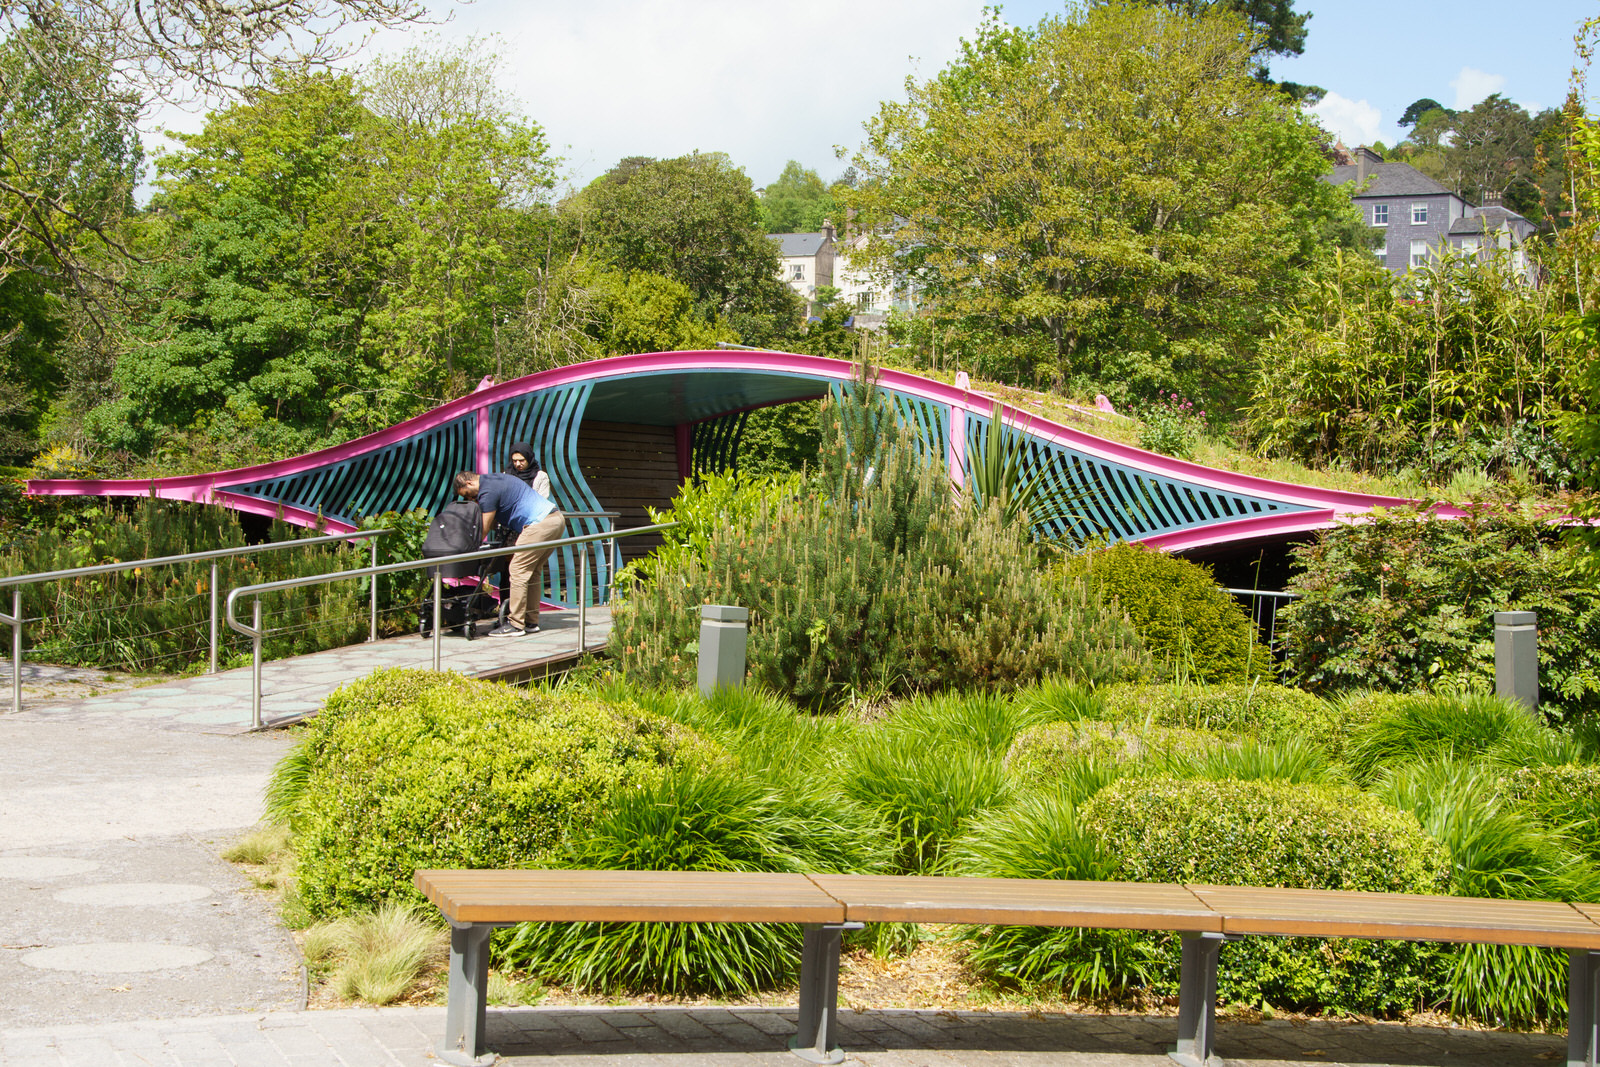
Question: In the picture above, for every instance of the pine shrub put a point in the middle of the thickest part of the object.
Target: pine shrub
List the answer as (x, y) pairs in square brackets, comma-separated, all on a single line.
[(1180, 613), (414, 769), (871, 582)]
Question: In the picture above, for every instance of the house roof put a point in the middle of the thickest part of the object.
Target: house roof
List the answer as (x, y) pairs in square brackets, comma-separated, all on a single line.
[(798, 244), (1389, 179), (1492, 217)]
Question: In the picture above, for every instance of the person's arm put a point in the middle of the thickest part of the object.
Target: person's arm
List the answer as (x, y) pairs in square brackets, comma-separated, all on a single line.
[(488, 524)]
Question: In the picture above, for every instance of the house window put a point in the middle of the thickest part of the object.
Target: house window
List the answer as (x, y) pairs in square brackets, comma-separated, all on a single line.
[(798, 272), (864, 298), (1469, 244), (1419, 214), (1419, 253), (1380, 214)]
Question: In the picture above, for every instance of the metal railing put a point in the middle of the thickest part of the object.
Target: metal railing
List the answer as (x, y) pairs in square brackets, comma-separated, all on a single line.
[(1262, 607), (19, 581), (257, 634)]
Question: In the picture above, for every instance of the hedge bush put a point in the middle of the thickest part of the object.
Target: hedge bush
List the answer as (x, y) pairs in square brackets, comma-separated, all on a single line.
[(1564, 798), (1180, 613), (412, 769), (1267, 712), (1281, 834), (1054, 753)]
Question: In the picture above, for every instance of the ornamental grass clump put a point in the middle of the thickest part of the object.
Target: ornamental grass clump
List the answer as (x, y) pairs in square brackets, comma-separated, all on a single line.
[(416, 769), (1260, 710), (1425, 727), (1496, 849), (696, 820)]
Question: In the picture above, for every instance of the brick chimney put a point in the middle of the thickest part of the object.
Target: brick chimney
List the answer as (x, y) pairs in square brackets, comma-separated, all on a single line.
[(1366, 163), (827, 230)]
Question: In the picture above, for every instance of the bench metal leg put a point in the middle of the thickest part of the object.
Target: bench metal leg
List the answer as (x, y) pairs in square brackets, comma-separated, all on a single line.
[(468, 997), (819, 993), (1197, 1001), (1583, 1007)]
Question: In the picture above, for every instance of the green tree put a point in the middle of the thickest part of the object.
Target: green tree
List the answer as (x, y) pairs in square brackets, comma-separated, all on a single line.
[(1418, 108), (798, 202), (1111, 193), (694, 219)]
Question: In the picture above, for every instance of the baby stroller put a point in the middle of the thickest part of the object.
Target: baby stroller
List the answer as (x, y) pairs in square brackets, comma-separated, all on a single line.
[(464, 598)]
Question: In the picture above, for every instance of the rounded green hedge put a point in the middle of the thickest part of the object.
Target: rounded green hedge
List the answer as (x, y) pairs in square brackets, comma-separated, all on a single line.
[(1265, 712), (1223, 832), (411, 769), (1179, 611)]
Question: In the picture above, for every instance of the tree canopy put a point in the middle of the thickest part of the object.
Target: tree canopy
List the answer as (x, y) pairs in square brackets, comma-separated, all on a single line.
[(798, 202), (1111, 195)]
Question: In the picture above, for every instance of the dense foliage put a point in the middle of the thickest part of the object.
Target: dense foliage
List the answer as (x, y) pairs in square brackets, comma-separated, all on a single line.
[(1406, 601), (1111, 199), (1054, 781)]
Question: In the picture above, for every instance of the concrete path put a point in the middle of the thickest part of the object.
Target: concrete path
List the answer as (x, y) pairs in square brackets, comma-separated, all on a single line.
[(124, 939)]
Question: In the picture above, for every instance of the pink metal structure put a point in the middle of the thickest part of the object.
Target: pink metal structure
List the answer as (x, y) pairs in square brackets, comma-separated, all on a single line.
[(1127, 493)]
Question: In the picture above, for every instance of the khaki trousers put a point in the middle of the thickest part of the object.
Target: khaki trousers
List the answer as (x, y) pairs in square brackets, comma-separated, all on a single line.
[(527, 568)]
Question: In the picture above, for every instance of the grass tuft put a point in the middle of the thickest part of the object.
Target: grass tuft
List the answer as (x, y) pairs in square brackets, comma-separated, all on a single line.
[(375, 957)]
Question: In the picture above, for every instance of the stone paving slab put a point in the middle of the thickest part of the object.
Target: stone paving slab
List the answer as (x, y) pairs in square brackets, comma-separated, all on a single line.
[(751, 1037)]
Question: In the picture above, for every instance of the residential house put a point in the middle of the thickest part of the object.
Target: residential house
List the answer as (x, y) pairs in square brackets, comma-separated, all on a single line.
[(1420, 218), (806, 261), (871, 300)]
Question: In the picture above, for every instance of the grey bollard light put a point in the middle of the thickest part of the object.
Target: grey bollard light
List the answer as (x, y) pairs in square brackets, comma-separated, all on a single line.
[(1516, 657), (723, 631)]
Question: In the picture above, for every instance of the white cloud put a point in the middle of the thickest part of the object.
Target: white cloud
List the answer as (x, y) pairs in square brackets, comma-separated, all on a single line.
[(1354, 121), (764, 83), (1472, 85)]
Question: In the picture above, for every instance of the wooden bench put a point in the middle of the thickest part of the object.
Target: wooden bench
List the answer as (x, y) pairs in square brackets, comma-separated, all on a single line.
[(475, 902)]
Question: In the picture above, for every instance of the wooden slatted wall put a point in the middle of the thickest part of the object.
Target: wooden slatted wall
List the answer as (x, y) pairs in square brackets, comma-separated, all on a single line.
[(630, 467)]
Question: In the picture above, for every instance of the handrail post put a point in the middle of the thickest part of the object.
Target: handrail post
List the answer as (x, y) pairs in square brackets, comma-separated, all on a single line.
[(213, 665), (583, 597), (438, 614), (255, 666), (16, 649), (372, 630)]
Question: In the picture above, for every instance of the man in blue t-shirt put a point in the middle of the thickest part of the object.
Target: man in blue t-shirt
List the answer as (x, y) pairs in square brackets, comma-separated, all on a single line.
[(529, 519)]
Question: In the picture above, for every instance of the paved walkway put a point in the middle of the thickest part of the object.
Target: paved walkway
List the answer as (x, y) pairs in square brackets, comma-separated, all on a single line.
[(124, 939), (296, 687)]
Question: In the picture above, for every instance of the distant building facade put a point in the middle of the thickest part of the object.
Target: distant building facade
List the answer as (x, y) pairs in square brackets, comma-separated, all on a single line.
[(1420, 218), (806, 261)]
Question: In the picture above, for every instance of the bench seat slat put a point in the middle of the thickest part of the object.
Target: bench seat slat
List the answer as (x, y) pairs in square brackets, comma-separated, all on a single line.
[(1019, 901), (1338, 913), (497, 896)]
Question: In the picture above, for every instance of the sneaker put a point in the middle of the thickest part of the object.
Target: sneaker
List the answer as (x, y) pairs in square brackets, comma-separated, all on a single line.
[(531, 630), (507, 629)]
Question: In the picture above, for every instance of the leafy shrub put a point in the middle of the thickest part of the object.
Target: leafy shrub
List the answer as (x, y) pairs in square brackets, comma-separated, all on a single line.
[(1171, 426), (1496, 850), (1433, 726), (1406, 602), (695, 821), (873, 582), (1179, 612), (1268, 712), (419, 770)]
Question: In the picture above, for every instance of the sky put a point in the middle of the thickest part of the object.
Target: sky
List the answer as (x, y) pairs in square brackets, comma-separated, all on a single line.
[(768, 82)]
